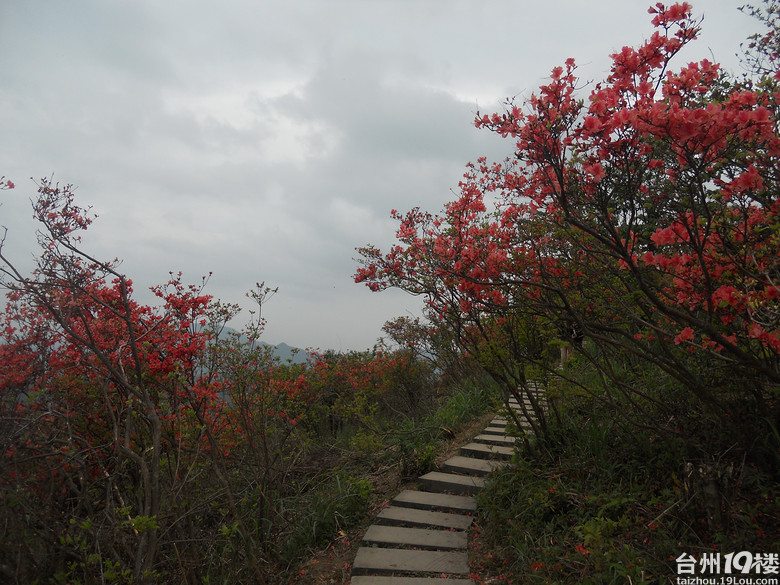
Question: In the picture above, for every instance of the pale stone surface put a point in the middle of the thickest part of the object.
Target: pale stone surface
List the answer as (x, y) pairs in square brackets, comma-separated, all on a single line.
[(416, 537), (495, 440), (484, 451), (497, 431), (410, 561), (412, 517), (470, 465), (435, 501), (450, 482)]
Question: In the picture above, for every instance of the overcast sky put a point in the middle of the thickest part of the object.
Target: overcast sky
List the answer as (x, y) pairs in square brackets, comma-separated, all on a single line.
[(264, 141)]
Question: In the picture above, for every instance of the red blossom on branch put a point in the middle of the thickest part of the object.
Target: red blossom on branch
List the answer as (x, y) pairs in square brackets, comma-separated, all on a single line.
[(646, 213)]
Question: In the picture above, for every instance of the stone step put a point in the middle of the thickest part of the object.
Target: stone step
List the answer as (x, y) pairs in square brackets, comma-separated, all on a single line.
[(385, 580), (498, 431), (524, 423), (416, 537), (504, 440), (483, 451), (393, 560), (539, 397), (434, 501), (412, 517), (518, 408), (519, 412), (521, 415), (530, 392), (436, 481), (528, 405), (470, 465), (495, 428)]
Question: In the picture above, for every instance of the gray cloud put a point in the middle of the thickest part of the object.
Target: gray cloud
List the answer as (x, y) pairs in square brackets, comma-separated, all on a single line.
[(265, 141)]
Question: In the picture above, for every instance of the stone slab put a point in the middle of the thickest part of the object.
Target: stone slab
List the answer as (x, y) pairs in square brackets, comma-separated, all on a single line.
[(528, 405), (483, 451), (399, 516), (391, 560), (518, 408), (416, 537), (385, 580), (495, 429), (522, 420), (498, 431), (519, 412), (470, 465), (434, 501), (504, 440), (450, 482)]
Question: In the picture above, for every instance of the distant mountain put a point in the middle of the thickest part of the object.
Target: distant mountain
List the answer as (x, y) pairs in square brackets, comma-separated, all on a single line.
[(287, 353), (283, 351)]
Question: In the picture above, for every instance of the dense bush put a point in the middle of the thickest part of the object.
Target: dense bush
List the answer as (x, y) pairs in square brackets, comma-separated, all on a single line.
[(602, 501), (147, 444)]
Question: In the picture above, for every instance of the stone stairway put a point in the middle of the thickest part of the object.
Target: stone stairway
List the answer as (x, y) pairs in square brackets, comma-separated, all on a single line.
[(421, 537)]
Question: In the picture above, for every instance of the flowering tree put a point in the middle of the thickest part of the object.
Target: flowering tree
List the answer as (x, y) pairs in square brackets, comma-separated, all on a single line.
[(643, 218), (117, 423), (147, 444)]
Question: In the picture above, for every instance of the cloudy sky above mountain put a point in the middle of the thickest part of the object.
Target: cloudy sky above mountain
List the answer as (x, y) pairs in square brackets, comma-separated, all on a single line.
[(264, 141)]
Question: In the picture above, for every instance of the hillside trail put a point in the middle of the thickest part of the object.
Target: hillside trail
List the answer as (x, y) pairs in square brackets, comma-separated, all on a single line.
[(419, 529)]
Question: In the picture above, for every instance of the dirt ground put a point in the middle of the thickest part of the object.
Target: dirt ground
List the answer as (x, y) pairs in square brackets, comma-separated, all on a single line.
[(332, 565)]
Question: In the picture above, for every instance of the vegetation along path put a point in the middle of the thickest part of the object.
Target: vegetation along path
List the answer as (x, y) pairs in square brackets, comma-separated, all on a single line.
[(421, 537)]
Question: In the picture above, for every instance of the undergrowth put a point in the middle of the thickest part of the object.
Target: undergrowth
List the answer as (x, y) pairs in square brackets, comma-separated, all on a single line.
[(415, 443), (341, 500), (601, 501)]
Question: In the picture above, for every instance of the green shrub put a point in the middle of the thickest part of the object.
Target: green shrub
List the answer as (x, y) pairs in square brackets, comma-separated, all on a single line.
[(604, 501), (316, 518)]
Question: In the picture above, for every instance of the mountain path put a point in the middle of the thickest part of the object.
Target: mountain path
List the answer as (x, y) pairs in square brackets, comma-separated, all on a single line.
[(421, 536)]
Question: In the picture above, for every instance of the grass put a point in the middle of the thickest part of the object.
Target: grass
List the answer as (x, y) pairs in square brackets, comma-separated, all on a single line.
[(317, 518), (416, 443)]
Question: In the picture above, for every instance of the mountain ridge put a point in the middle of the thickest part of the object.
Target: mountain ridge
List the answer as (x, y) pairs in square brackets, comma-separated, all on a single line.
[(283, 351)]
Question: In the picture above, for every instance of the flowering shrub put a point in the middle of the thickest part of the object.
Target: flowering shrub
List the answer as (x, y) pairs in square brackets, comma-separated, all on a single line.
[(145, 444), (641, 219)]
